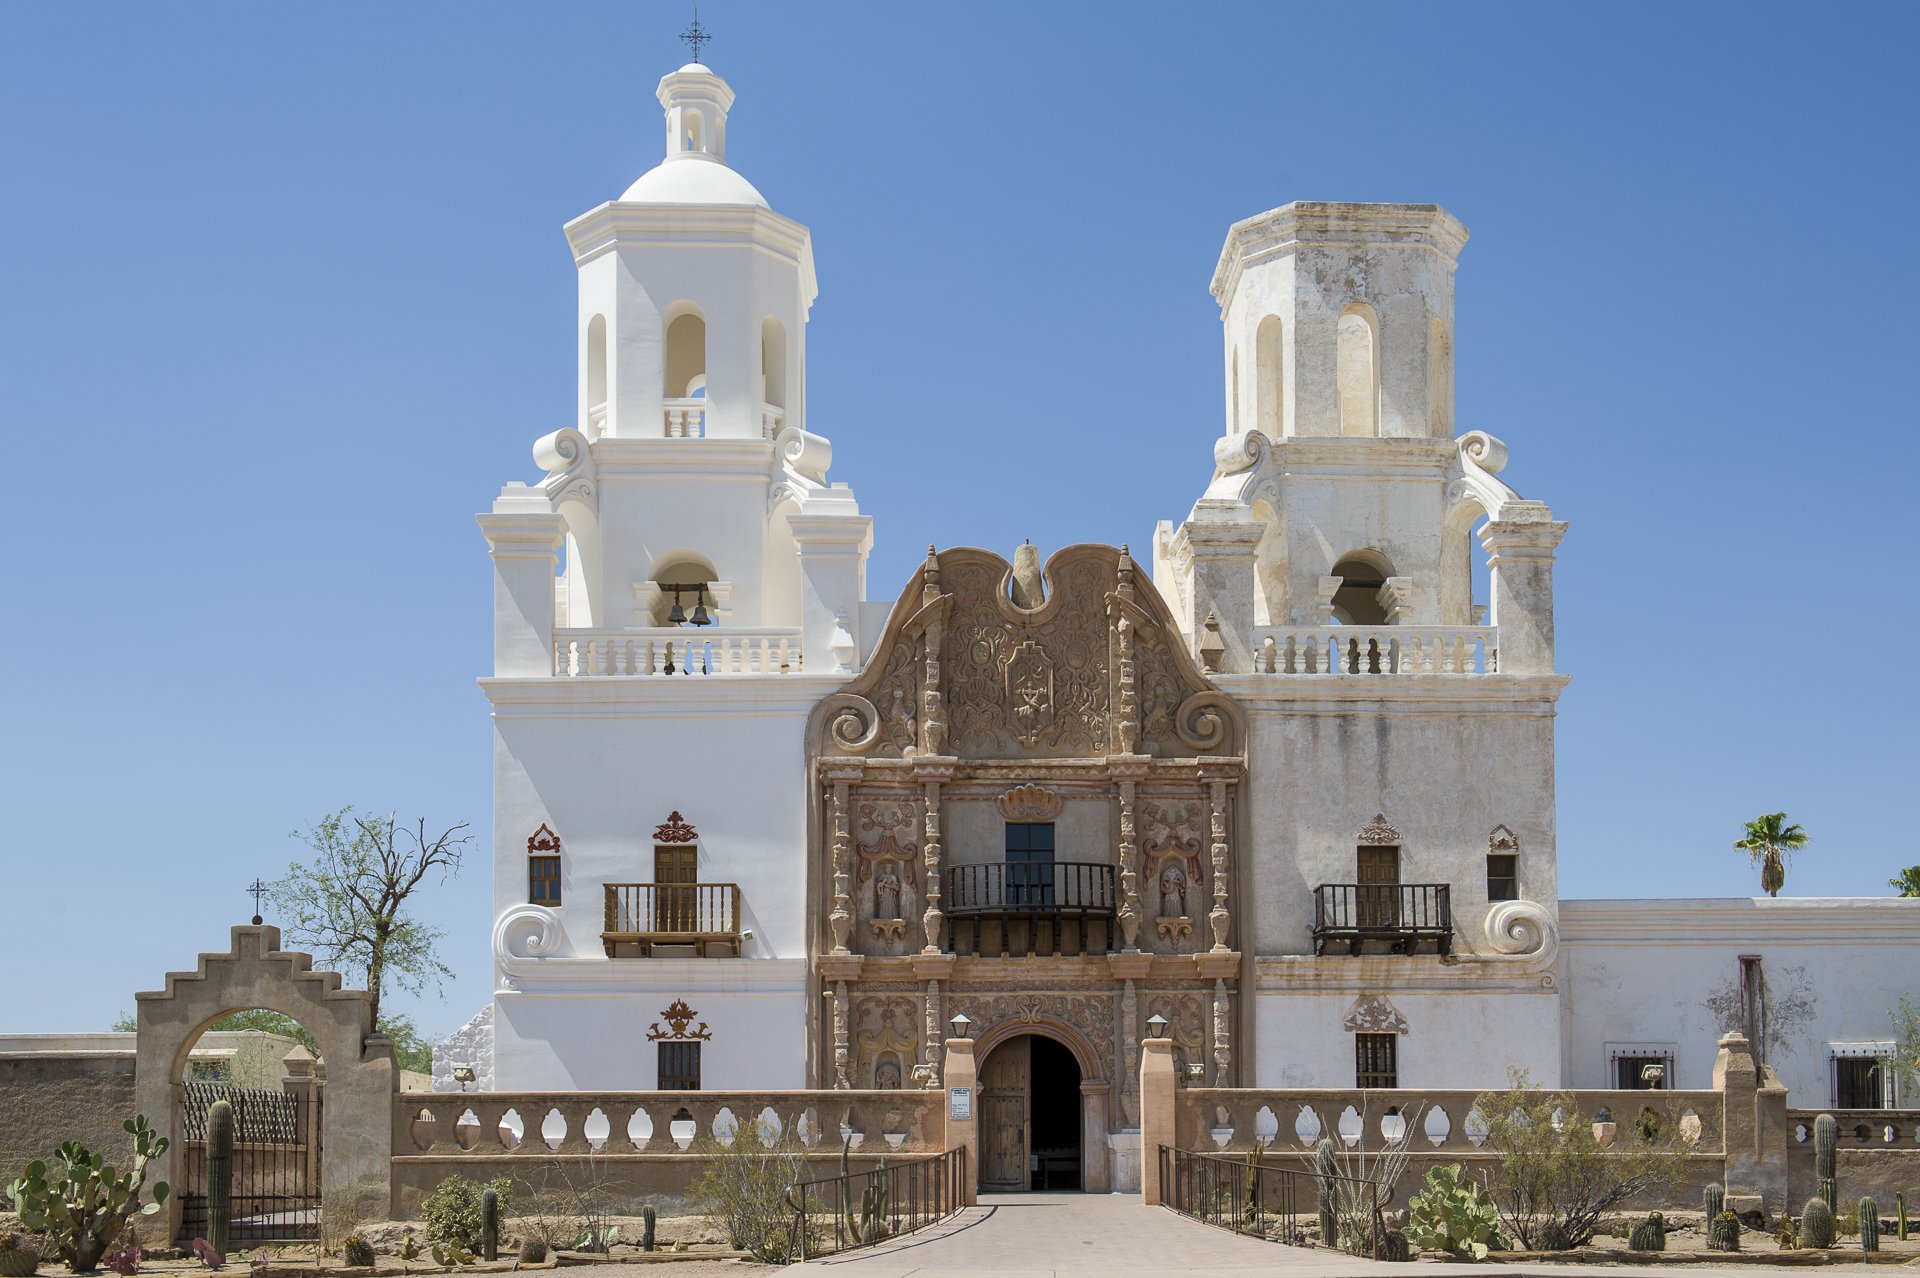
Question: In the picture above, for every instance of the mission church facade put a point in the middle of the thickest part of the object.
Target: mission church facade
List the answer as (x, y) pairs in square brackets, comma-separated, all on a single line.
[(1274, 775)]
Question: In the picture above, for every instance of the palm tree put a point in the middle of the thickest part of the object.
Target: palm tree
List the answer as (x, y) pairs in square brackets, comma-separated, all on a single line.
[(1907, 881), (1770, 841)]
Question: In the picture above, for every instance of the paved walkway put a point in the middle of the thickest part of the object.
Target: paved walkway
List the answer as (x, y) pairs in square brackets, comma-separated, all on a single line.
[(1113, 1236)]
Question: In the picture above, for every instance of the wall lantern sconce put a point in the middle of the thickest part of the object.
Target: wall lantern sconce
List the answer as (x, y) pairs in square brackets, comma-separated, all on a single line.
[(960, 1023), (1156, 1026)]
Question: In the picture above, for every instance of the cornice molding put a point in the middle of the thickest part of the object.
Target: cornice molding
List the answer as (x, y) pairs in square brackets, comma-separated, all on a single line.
[(1746, 920), (1395, 694)]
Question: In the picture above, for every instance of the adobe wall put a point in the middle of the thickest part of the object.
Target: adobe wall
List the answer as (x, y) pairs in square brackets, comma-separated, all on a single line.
[(50, 1097)]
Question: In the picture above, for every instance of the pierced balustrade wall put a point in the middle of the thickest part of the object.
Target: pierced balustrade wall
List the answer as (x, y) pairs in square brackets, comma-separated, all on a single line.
[(1877, 1154), (647, 1145)]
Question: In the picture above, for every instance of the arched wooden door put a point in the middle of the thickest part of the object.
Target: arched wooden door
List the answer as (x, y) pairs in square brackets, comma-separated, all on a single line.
[(1005, 1118)]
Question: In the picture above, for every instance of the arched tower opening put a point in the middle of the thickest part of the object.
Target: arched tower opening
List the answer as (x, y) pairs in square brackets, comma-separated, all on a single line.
[(1269, 416), (1356, 600), (1357, 369)]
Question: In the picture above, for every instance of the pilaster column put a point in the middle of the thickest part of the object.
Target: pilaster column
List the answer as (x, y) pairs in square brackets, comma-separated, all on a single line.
[(1220, 543), (1219, 918), (840, 837), (1520, 551), (524, 536), (842, 1077), (833, 548), (1222, 1034), (1127, 772), (932, 772)]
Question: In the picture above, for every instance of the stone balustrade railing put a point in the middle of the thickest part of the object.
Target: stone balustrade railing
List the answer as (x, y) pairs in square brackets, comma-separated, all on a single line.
[(676, 650), (1443, 1122), (686, 418), (1376, 650), (772, 418), (531, 1124)]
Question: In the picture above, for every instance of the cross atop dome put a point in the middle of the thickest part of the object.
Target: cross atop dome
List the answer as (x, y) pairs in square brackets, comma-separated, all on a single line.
[(696, 35)]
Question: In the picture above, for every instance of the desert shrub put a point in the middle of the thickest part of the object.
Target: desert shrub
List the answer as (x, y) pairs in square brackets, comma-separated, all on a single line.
[(451, 1213), (745, 1187), (1555, 1180)]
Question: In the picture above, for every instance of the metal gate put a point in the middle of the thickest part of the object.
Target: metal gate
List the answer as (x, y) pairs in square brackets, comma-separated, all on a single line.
[(276, 1163)]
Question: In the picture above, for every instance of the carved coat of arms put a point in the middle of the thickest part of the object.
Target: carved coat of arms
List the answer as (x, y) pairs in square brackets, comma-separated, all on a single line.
[(1030, 692)]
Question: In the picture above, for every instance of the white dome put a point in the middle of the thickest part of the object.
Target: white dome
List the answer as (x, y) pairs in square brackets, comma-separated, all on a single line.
[(692, 179)]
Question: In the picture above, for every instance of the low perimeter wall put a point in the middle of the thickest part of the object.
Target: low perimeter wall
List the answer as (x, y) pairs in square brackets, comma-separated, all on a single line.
[(639, 1147), (50, 1097)]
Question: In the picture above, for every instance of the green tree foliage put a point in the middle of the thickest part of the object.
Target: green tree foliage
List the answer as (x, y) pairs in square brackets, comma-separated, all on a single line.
[(349, 903), (1770, 841), (451, 1213), (1556, 1180), (1907, 882), (411, 1049)]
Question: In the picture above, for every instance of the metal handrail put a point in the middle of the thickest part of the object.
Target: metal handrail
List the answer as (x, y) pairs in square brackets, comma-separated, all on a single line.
[(1248, 1196), (1358, 911), (1030, 887), (871, 1206), (671, 913)]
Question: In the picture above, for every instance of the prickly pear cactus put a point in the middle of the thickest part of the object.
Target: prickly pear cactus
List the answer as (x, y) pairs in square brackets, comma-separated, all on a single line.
[(1869, 1225), (219, 1175), (1816, 1224)]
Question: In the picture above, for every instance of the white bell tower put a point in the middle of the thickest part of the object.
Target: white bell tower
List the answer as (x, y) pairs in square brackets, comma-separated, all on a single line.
[(693, 292)]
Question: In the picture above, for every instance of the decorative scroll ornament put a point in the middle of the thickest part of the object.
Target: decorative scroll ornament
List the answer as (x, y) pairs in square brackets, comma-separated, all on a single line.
[(543, 840), (678, 1017), (1502, 840), (1372, 1014), (1029, 803), (1379, 833), (676, 830)]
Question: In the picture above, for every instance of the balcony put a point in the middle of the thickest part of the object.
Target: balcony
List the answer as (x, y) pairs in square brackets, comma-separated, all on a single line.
[(676, 650), (703, 917), (1376, 650), (1402, 916), (1030, 907)]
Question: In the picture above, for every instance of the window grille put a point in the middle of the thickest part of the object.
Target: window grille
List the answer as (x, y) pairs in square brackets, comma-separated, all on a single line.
[(1376, 1060), (679, 1067)]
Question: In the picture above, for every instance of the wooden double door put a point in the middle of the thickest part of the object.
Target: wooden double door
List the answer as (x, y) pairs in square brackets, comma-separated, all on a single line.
[(1030, 1117)]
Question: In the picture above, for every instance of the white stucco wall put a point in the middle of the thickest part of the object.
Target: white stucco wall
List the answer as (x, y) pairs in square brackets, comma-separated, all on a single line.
[(1652, 971)]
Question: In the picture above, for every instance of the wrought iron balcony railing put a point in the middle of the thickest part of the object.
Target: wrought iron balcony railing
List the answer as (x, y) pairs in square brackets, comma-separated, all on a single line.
[(649, 914), (1028, 905), (1401, 915)]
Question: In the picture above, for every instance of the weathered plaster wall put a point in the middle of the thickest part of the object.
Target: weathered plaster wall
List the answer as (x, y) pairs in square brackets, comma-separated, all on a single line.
[(50, 1097), (1667, 971)]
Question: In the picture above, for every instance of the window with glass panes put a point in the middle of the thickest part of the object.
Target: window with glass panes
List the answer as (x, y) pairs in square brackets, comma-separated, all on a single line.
[(1376, 1060), (543, 880), (1503, 876), (1029, 863)]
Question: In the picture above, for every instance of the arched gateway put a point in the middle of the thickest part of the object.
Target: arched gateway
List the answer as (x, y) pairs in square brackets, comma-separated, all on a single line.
[(1023, 832), (257, 973)]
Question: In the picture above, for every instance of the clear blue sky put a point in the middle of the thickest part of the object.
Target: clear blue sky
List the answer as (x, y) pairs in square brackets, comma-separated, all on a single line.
[(284, 300)]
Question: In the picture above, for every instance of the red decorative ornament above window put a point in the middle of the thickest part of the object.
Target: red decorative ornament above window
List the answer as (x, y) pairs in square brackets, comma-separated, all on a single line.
[(676, 830), (543, 840)]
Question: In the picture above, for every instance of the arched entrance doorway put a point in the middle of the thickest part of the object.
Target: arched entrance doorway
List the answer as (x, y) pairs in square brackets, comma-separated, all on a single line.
[(1030, 1116)]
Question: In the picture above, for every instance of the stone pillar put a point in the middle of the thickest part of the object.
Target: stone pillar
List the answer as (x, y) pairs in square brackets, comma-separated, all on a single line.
[(1754, 1127), (1220, 545), (1159, 1116), (524, 536), (833, 580), (960, 1071), (1520, 550)]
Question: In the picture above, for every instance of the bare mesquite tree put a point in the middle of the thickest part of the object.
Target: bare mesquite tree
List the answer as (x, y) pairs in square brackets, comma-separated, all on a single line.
[(349, 903)]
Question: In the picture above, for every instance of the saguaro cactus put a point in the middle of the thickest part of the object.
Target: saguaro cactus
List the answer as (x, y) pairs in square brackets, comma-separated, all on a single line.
[(1869, 1225), (490, 1224), (1816, 1224), (1328, 1167), (1826, 1138), (219, 1175), (646, 1227), (1900, 1215)]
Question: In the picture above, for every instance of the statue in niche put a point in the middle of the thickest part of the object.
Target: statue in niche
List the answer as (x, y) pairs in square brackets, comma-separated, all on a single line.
[(886, 1075), (903, 732), (886, 891), (1173, 888)]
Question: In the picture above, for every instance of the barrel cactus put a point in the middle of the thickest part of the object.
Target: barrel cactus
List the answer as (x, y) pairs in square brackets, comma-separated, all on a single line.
[(1869, 1225), (219, 1175), (18, 1256), (1395, 1247), (1649, 1235), (1816, 1224), (1723, 1232), (1713, 1205), (356, 1252)]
